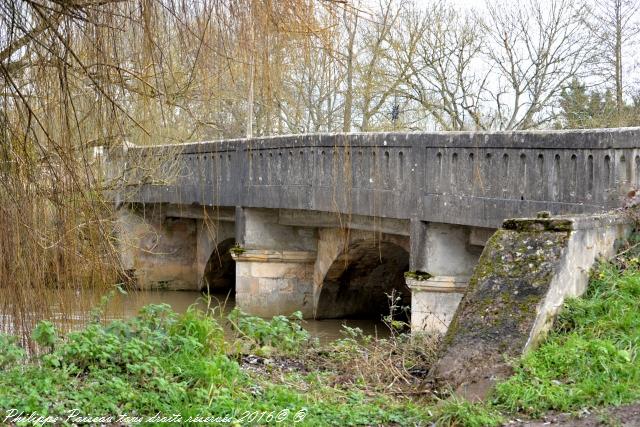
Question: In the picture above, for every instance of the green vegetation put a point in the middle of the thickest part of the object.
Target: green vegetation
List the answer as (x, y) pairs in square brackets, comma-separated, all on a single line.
[(282, 334), (161, 362), (591, 358), (270, 370), (591, 108), (457, 412), (157, 361), (417, 275), (236, 249)]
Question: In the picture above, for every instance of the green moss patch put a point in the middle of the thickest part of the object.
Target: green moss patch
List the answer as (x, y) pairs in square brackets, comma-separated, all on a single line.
[(417, 275)]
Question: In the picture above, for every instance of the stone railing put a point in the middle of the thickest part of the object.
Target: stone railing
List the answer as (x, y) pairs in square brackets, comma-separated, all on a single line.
[(469, 178)]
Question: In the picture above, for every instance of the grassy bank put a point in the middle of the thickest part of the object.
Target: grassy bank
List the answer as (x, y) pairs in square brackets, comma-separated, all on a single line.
[(182, 366), (591, 358), (161, 362)]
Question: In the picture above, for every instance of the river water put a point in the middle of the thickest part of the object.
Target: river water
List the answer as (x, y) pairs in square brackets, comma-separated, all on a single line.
[(127, 305)]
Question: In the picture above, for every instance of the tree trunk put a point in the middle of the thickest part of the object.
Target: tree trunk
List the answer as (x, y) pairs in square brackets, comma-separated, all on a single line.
[(618, 53), (252, 66), (348, 97)]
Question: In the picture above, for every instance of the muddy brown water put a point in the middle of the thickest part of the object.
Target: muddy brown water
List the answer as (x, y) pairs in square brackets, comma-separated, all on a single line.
[(123, 306)]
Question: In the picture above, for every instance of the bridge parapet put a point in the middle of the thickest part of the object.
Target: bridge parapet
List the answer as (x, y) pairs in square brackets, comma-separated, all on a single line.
[(467, 178)]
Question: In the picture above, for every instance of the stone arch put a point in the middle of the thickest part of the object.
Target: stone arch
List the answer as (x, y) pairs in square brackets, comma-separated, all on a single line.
[(357, 282), (220, 273)]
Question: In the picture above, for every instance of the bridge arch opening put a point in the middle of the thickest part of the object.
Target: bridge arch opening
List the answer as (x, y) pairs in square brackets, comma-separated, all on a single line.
[(220, 271), (361, 279)]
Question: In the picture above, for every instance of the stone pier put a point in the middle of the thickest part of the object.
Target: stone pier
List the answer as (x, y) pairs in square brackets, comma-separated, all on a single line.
[(443, 259), (274, 264)]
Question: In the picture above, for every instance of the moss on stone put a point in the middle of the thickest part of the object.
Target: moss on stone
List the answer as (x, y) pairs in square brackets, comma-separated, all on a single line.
[(237, 249), (500, 305), (538, 224), (417, 275)]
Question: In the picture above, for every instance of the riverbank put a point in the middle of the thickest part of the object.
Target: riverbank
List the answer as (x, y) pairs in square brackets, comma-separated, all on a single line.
[(167, 365), (163, 364), (123, 305)]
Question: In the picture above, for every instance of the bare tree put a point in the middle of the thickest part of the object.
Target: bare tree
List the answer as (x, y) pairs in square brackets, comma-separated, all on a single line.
[(351, 19), (447, 78), (313, 101), (379, 74), (615, 25), (536, 49)]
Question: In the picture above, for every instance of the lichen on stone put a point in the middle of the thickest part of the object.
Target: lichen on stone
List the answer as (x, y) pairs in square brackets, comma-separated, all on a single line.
[(237, 249)]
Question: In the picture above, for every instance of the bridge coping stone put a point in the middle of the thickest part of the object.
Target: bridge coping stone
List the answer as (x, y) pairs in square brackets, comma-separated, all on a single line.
[(259, 255), (443, 284)]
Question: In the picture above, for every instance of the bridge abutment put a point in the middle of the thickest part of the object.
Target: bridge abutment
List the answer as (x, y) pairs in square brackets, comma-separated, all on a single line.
[(526, 271), (158, 250), (174, 247)]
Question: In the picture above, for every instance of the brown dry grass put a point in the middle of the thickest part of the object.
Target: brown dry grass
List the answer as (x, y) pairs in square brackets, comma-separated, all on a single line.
[(395, 365)]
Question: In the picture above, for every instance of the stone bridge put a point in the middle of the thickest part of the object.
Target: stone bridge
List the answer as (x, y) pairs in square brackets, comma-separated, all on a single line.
[(329, 224)]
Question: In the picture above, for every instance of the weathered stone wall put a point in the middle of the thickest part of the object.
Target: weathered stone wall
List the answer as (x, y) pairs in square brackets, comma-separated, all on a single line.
[(160, 251), (169, 246), (467, 178), (524, 274), (270, 283)]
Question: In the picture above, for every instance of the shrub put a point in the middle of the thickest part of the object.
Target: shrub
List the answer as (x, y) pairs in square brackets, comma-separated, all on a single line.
[(44, 334), (10, 352), (281, 333)]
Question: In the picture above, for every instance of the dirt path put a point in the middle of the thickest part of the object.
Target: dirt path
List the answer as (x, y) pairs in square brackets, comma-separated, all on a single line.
[(624, 416)]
